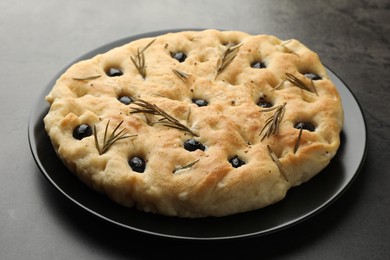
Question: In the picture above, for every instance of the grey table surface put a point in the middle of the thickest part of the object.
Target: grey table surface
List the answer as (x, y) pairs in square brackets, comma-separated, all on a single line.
[(39, 38)]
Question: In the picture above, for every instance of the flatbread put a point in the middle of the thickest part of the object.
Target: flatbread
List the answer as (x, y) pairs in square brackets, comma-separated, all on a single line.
[(196, 123)]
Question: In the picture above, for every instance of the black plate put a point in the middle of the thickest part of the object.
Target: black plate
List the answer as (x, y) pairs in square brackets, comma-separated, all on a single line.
[(300, 204)]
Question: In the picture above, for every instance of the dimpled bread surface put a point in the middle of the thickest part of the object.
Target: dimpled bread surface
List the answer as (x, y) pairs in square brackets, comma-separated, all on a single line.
[(242, 165)]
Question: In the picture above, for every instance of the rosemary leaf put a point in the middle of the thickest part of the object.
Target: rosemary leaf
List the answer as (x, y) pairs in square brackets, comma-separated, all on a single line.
[(280, 84), (188, 114), (286, 42), (186, 166), (272, 123), (96, 139), (148, 45), (288, 50), (165, 120), (277, 162), (87, 78), (299, 83), (182, 75), (313, 87), (139, 63), (296, 146)]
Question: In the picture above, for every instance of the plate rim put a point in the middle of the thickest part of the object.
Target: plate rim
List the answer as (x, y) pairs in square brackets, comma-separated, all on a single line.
[(33, 145)]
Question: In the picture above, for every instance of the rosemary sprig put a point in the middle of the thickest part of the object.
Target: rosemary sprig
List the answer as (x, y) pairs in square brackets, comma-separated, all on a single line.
[(87, 78), (228, 56), (277, 162), (299, 83), (166, 120), (182, 75), (114, 137), (272, 123), (139, 60), (296, 146), (186, 166)]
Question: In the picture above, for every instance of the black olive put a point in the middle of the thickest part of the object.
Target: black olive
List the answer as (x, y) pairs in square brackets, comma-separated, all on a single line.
[(114, 72), (180, 56), (258, 65), (137, 164), (200, 102), (126, 100), (305, 126), (236, 162), (312, 76), (82, 131), (264, 103), (192, 145)]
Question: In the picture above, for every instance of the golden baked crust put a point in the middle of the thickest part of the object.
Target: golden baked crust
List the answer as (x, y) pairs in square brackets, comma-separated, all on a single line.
[(237, 74)]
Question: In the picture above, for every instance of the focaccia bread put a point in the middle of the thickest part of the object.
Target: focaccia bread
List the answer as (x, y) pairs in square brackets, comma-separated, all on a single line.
[(196, 123)]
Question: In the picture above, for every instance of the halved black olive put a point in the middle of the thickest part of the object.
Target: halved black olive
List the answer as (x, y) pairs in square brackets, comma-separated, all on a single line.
[(180, 56), (312, 76), (305, 126), (258, 65), (236, 162), (126, 100), (114, 72), (264, 103), (200, 102), (193, 145), (137, 164), (82, 131)]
